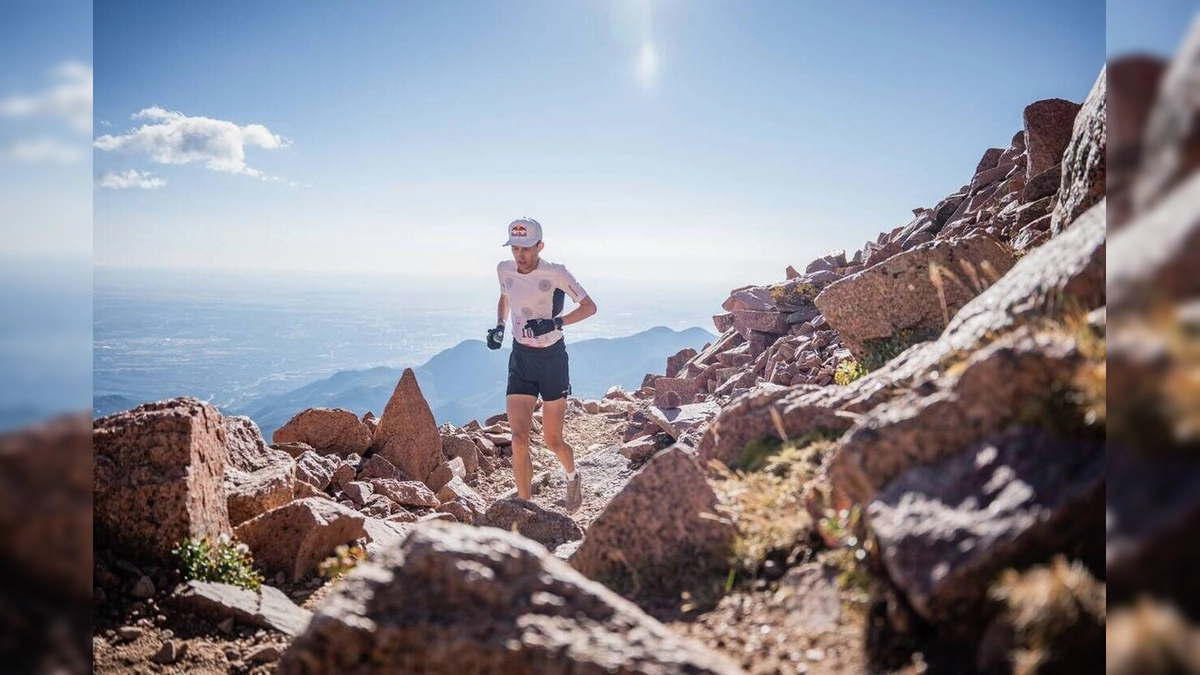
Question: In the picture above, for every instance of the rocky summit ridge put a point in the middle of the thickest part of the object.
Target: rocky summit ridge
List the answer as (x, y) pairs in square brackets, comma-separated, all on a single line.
[(891, 461)]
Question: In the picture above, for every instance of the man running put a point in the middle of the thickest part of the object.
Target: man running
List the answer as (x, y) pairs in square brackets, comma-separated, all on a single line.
[(534, 289)]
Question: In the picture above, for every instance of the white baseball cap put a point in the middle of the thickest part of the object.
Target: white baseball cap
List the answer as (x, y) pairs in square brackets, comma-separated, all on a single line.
[(524, 232)]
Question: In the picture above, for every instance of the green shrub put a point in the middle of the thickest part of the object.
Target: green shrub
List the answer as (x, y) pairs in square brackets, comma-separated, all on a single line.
[(226, 562), (848, 371)]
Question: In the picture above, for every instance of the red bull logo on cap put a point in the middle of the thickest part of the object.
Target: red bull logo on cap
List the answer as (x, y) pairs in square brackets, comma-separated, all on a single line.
[(519, 230)]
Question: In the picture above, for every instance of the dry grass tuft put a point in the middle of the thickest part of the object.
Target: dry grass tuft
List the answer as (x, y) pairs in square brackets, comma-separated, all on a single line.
[(1150, 639), (765, 501), (1053, 610)]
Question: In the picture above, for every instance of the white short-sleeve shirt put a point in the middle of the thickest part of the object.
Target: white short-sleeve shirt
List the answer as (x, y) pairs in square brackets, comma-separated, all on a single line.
[(537, 295)]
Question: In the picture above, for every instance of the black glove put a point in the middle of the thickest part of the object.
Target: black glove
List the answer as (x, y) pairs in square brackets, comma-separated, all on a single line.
[(536, 327), (495, 337)]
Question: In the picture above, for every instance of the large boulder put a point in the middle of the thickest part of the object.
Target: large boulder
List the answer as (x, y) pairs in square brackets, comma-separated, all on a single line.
[(969, 401), (1172, 142), (461, 446), (316, 470), (257, 478), (687, 418), (376, 466), (158, 472), (1151, 515), (407, 434), (295, 537), (1156, 256), (456, 490), (1048, 127), (674, 363), (447, 471), (684, 390), (1132, 88), (334, 431), (46, 506), (458, 599), (660, 530), (1084, 162), (267, 607), (548, 528), (798, 411), (946, 530), (747, 320), (756, 298), (989, 161), (900, 293), (383, 534), (405, 492)]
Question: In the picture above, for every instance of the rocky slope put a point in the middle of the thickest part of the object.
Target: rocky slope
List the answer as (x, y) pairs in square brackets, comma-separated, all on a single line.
[(894, 461)]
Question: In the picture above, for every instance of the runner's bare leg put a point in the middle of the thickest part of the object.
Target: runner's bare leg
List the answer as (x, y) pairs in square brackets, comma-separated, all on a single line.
[(554, 415), (520, 420)]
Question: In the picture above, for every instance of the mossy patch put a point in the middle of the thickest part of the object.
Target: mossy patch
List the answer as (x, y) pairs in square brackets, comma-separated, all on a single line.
[(796, 294)]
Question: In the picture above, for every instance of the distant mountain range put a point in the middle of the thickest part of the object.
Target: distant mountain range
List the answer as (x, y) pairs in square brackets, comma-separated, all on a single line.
[(108, 404), (466, 381)]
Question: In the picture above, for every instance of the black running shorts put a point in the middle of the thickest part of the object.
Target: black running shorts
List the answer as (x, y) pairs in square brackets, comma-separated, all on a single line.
[(543, 371)]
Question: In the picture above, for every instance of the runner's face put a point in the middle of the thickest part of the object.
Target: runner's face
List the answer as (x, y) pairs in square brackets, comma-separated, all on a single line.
[(526, 256)]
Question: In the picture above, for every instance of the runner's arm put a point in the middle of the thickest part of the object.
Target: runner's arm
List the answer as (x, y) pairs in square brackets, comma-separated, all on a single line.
[(502, 310), (586, 308)]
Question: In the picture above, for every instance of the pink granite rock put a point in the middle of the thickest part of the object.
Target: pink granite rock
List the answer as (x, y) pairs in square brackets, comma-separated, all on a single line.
[(407, 435)]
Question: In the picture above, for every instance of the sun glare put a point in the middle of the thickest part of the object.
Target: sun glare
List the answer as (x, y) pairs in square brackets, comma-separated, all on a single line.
[(647, 65)]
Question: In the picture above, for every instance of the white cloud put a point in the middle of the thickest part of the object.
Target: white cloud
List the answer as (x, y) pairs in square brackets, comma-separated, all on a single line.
[(44, 149), (174, 138), (68, 99), (130, 179)]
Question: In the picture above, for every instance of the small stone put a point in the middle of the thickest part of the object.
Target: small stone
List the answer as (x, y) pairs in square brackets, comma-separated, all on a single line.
[(130, 633), (226, 626), (772, 570), (233, 653), (268, 654), (143, 589), (170, 652)]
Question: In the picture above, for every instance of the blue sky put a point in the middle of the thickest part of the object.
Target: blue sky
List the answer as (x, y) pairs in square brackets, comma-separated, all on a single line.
[(45, 116), (653, 139), (1155, 26)]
